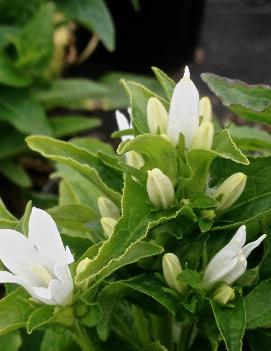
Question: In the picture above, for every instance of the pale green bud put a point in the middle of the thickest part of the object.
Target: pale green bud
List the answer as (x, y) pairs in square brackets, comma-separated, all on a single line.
[(134, 159), (209, 215), (224, 294), (204, 136), (107, 208), (160, 189), (205, 109), (230, 190), (157, 116), (82, 265), (108, 225), (171, 269)]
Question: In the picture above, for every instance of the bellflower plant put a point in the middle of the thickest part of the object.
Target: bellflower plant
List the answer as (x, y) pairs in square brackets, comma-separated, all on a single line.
[(149, 228)]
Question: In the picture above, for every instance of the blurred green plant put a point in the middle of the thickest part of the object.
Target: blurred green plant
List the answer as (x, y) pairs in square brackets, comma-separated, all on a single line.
[(37, 43)]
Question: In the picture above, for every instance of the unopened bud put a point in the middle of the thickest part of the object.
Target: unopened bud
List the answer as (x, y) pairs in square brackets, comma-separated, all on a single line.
[(160, 189), (171, 269), (107, 208), (224, 294), (204, 136), (205, 109), (157, 116), (209, 215), (134, 159), (82, 265), (230, 190), (108, 225)]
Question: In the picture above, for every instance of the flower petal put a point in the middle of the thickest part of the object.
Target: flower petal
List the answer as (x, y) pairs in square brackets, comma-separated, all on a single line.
[(44, 295), (218, 269), (239, 237), (238, 270), (43, 233), (251, 246), (62, 288), (36, 293), (123, 124), (184, 110), (19, 255)]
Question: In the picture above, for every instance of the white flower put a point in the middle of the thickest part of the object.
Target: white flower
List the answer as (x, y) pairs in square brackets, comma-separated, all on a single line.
[(38, 263), (123, 124), (184, 110), (230, 262)]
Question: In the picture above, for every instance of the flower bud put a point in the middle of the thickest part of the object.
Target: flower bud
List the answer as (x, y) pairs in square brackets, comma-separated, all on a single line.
[(82, 265), (134, 159), (204, 136), (107, 208), (205, 109), (157, 116), (171, 269), (160, 189), (223, 294), (108, 225), (230, 190)]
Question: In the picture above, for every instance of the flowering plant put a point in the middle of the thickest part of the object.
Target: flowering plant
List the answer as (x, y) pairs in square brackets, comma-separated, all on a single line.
[(156, 257)]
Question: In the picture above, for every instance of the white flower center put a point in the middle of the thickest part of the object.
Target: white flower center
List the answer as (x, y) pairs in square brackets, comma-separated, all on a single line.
[(43, 274)]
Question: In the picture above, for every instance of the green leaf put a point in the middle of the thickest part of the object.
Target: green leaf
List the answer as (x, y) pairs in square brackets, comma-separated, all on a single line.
[(39, 317), (22, 226), (155, 346), (69, 125), (258, 306), (93, 15), (156, 151), (132, 227), (252, 102), (70, 93), (34, 45), (21, 111), (7, 31), (73, 219), (9, 75), (192, 278), (14, 311), (251, 138), (259, 340), (93, 145), (231, 322), (12, 143), (15, 173), (116, 97), (4, 212), (139, 97), (255, 199), (144, 284), (166, 82), (225, 147), (87, 164), (10, 342), (60, 340)]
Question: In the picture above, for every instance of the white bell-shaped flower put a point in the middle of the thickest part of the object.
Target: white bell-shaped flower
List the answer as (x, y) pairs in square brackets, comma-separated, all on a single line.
[(230, 262), (38, 263), (184, 110)]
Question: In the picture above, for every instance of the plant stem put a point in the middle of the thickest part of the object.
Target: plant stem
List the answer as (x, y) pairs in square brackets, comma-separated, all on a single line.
[(185, 337), (81, 337)]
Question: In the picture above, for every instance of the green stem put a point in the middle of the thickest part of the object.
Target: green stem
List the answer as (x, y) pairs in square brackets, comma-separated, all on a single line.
[(81, 337), (185, 337), (141, 325)]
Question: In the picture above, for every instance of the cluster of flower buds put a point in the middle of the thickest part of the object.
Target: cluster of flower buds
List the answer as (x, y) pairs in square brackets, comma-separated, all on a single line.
[(110, 213)]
